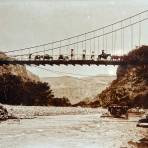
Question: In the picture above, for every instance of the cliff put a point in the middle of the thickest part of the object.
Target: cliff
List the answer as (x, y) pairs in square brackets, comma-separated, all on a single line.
[(20, 86), (130, 86), (17, 70)]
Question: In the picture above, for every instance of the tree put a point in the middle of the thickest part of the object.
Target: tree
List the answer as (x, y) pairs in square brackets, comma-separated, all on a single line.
[(13, 90), (37, 93)]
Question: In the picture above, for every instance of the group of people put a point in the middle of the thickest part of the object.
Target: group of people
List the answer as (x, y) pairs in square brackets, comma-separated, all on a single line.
[(83, 55)]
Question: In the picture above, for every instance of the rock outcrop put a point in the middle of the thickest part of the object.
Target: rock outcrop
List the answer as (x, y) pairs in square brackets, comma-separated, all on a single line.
[(131, 85), (3, 113), (17, 70)]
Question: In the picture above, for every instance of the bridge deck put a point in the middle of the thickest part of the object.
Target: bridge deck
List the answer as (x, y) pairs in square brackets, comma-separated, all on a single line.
[(72, 62)]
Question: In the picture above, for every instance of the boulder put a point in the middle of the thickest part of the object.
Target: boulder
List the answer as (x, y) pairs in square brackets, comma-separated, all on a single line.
[(3, 113)]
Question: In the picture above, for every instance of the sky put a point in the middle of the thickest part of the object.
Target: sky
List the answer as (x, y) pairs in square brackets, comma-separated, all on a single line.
[(33, 22)]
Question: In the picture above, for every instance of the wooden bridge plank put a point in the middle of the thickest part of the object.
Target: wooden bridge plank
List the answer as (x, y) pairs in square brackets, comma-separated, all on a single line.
[(73, 62)]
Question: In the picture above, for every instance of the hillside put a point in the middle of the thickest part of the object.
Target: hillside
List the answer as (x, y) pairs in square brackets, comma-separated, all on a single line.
[(130, 86), (77, 89), (17, 70), (20, 87)]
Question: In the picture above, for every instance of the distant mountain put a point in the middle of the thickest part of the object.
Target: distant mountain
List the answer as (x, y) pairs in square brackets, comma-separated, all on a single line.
[(77, 89)]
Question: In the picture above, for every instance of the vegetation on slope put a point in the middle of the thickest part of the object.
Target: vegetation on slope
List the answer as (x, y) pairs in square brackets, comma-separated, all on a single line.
[(18, 92), (20, 87), (131, 85), (15, 91)]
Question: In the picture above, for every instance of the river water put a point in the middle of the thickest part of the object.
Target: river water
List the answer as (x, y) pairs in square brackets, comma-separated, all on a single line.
[(69, 131)]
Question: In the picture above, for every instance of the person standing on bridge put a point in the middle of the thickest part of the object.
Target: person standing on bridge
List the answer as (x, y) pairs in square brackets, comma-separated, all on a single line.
[(72, 54), (30, 56), (84, 55), (103, 53), (92, 55)]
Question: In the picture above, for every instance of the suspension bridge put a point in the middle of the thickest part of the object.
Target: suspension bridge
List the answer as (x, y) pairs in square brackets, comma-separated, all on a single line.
[(103, 46)]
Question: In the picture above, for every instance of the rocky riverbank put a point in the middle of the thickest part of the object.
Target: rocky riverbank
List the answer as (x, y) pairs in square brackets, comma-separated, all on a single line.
[(28, 112), (5, 114)]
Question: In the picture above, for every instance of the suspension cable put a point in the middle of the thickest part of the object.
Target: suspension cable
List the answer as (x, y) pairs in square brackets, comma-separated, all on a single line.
[(106, 42), (115, 38), (52, 46), (98, 45), (112, 38), (121, 38), (85, 41), (60, 49), (94, 44), (131, 33), (103, 38), (92, 37), (77, 48), (139, 30), (90, 47), (123, 41), (80, 34)]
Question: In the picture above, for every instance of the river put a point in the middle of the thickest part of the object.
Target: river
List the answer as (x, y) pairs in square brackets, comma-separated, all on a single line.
[(69, 131)]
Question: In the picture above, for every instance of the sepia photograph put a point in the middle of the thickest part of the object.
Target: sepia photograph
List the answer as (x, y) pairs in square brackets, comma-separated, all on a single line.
[(73, 74)]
